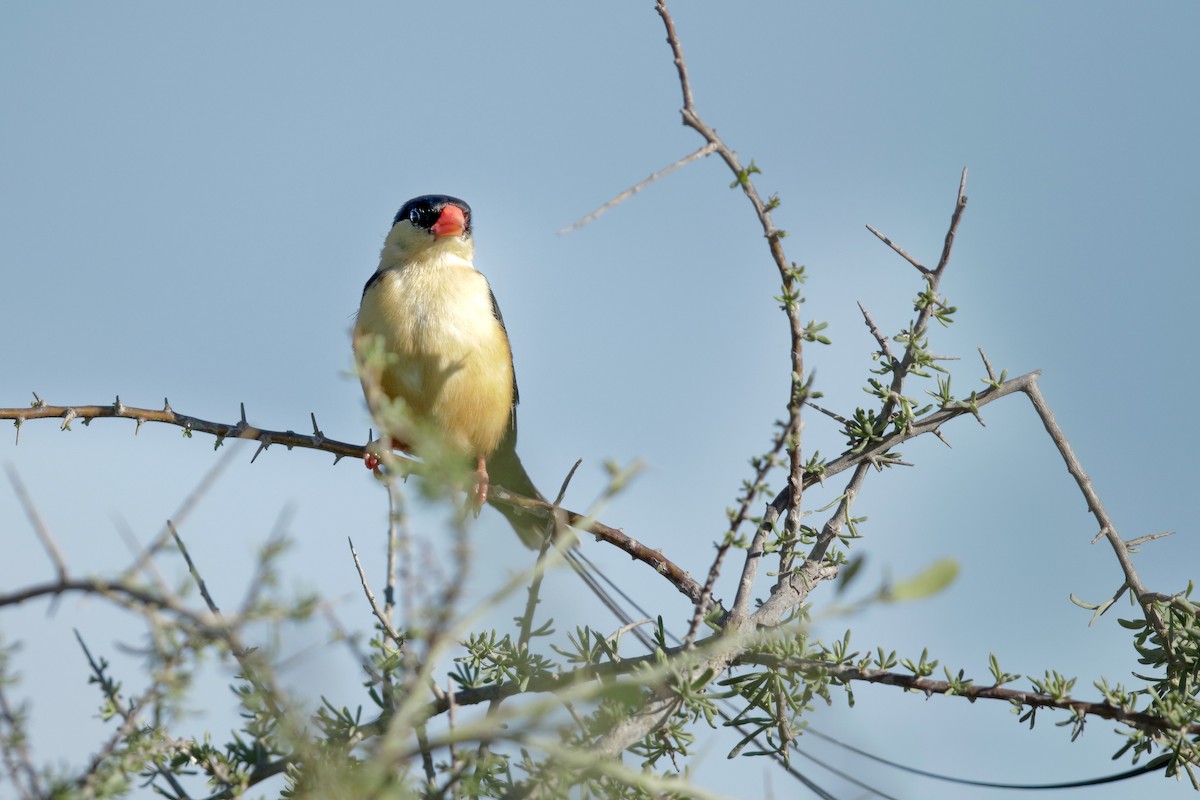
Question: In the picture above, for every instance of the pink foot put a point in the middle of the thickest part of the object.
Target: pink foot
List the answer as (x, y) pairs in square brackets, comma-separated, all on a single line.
[(479, 492)]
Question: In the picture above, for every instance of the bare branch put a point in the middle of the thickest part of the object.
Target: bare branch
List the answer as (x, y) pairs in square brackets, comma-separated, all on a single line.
[(900, 251), (988, 366), (35, 519), (637, 187), (884, 347), (1107, 527), (1150, 537), (379, 613), (187, 557)]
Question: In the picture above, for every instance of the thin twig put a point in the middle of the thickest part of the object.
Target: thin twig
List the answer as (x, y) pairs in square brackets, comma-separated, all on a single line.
[(181, 514), (395, 506), (706, 150), (380, 614), (1150, 537), (1096, 507), (884, 347), (200, 584), (836, 417), (900, 251), (252, 670), (35, 519), (988, 366)]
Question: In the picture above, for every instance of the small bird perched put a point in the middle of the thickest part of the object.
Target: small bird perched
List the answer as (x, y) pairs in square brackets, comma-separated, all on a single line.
[(445, 350), (429, 333)]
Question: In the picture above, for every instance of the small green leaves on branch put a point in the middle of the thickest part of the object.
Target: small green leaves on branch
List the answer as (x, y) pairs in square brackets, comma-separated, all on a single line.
[(743, 178)]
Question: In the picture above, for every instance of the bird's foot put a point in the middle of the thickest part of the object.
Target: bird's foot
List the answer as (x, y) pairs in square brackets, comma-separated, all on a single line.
[(375, 449), (479, 492)]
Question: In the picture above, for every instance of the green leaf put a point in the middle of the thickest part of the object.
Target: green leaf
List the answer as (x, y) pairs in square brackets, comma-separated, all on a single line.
[(929, 581), (849, 573)]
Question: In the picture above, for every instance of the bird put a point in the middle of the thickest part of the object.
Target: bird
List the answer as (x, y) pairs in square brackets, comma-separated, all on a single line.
[(445, 350), (429, 334)]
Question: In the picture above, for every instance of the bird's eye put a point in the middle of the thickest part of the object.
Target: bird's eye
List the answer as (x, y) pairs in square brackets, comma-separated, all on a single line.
[(414, 216)]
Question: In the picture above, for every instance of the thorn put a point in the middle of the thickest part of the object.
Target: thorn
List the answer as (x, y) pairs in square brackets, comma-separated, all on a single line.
[(263, 444), (167, 406), (140, 420), (991, 374), (70, 415), (243, 422), (1148, 538), (567, 481), (842, 420), (337, 457), (37, 401), (17, 424), (118, 407), (320, 437), (938, 433)]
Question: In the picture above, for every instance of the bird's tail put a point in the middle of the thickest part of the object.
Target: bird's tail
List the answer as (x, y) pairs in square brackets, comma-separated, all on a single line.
[(506, 469)]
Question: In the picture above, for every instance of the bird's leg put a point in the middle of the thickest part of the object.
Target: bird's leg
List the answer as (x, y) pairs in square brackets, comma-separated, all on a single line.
[(479, 491)]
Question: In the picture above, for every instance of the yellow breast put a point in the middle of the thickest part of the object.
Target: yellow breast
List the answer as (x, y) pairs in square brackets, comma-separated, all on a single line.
[(452, 364)]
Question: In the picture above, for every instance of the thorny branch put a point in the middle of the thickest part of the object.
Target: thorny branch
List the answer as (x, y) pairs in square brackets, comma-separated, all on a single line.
[(788, 273), (655, 559)]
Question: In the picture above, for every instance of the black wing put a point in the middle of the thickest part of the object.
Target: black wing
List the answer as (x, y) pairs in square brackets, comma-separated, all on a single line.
[(500, 318)]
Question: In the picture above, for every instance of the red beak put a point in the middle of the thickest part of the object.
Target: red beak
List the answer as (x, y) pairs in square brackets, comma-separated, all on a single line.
[(450, 223)]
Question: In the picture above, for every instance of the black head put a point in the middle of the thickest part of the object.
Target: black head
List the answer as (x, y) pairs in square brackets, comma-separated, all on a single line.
[(424, 211)]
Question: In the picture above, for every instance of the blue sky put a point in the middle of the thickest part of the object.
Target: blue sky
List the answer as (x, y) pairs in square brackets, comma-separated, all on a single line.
[(192, 197)]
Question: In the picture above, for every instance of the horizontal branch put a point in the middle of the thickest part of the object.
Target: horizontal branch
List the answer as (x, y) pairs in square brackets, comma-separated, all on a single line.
[(1103, 709), (678, 577), (166, 415), (1143, 720)]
